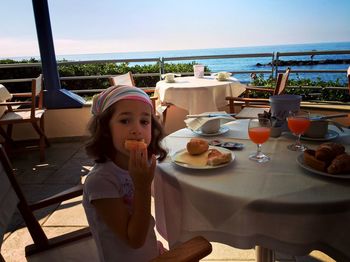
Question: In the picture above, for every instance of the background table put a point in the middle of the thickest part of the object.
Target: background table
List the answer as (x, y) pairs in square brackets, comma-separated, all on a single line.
[(276, 205), (198, 95)]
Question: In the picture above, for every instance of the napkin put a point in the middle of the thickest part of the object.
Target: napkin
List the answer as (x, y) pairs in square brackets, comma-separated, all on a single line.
[(196, 123)]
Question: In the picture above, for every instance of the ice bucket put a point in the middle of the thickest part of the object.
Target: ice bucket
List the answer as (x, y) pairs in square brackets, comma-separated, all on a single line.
[(282, 104)]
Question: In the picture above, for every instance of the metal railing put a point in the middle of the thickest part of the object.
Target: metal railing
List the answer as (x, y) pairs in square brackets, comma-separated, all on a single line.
[(274, 57)]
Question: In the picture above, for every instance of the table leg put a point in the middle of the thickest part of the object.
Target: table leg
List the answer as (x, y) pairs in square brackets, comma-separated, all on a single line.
[(263, 254)]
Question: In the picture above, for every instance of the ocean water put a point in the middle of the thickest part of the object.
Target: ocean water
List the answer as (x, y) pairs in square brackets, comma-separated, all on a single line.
[(240, 64)]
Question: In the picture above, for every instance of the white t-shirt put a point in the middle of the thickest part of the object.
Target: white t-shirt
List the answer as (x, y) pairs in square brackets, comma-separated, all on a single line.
[(106, 180)]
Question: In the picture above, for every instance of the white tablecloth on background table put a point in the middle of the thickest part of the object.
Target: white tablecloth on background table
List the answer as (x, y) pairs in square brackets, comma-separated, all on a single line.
[(198, 95), (276, 205)]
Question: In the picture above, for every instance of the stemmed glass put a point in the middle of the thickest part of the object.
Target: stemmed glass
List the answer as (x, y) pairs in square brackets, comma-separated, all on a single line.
[(259, 132), (298, 123)]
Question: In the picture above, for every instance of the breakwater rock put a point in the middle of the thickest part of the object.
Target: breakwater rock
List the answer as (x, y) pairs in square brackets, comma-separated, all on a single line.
[(305, 62)]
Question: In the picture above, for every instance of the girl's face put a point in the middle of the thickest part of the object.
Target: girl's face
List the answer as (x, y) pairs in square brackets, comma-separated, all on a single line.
[(131, 120)]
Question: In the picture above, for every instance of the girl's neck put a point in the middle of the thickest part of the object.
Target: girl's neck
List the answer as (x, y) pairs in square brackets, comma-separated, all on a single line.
[(121, 161)]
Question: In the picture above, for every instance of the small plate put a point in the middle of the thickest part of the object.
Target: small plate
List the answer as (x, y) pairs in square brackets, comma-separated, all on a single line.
[(300, 161), (223, 150), (221, 131), (331, 134)]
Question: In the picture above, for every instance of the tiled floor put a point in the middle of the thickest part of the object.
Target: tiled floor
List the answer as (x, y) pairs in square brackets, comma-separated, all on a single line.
[(66, 165)]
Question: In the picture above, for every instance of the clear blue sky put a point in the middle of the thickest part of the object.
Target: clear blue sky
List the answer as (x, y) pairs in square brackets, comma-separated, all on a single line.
[(102, 26)]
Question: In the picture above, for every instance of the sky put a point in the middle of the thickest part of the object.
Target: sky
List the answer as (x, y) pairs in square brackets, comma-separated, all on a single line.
[(105, 26)]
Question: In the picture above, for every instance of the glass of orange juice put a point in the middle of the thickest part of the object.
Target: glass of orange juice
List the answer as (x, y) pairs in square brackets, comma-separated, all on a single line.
[(298, 124), (259, 132)]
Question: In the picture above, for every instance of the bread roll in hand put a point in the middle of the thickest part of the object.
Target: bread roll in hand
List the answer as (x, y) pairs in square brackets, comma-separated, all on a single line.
[(134, 144), (197, 146)]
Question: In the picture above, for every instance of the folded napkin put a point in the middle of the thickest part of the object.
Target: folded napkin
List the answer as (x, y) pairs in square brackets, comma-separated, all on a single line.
[(196, 123)]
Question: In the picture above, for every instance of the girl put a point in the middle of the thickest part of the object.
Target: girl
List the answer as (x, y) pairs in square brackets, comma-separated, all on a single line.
[(117, 191)]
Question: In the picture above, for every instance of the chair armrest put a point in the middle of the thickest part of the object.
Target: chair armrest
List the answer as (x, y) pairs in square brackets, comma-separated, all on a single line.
[(14, 103), (21, 95), (189, 251), (148, 90), (58, 241), (247, 99), (58, 198), (260, 89)]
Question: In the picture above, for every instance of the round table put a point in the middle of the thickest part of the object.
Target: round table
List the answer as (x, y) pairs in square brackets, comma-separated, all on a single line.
[(198, 95), (276, 205)]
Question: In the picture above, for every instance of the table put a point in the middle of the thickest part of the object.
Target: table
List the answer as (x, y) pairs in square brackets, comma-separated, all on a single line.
[(276, 205), (197, 95)]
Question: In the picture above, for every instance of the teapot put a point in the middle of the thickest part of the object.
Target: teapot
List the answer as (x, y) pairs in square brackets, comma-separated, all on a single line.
[(221, 76), (169, 77)]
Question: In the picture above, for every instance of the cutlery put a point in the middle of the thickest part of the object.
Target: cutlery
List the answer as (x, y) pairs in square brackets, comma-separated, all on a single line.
[(209, 115), (327, 117)]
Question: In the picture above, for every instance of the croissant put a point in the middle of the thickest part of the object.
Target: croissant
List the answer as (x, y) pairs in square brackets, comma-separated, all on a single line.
[(340, 164), (311, 161), (328, 151)]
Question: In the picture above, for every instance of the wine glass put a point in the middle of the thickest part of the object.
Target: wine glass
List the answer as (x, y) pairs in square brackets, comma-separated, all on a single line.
[(298, 123), (259, 132)]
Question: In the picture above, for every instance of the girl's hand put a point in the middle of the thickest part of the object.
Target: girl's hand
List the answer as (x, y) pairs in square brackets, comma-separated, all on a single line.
[(140, 170)]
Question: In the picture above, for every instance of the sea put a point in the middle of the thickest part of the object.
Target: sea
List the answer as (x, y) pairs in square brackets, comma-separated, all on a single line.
[(240, 64)]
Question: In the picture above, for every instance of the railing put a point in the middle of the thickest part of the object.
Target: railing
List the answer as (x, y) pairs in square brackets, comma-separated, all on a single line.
[(275, 57)]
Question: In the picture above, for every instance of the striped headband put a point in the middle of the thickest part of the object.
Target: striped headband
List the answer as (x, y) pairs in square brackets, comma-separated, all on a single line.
[(114, 94)]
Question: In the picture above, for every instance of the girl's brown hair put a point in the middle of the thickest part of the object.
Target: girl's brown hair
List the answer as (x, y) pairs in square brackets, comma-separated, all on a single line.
[(100, 145)]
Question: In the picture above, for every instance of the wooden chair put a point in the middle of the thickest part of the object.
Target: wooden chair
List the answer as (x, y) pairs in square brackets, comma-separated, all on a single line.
[(77, 245), (246, 101), (33, 114), (128, 79), (125, 79)]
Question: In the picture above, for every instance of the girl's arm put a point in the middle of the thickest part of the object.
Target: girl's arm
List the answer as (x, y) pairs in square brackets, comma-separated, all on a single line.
[(133, 227)]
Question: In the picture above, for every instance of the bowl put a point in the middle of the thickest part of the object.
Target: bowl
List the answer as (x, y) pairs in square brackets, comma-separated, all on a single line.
[(210, 127), (317, 129)]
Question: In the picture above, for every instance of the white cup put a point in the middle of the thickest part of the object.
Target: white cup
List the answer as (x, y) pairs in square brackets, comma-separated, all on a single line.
[(221, 76), (169, 78), (198, 71)]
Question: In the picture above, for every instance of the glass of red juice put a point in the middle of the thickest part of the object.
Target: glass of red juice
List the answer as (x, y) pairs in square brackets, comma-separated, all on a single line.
[(259, 132), (298, 124)]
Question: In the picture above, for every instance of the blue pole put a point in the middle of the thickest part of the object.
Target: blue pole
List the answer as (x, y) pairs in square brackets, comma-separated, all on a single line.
[(55, 97)]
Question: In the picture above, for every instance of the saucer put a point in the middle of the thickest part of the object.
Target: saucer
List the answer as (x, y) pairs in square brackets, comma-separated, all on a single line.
[(331, 134), (221, 131)]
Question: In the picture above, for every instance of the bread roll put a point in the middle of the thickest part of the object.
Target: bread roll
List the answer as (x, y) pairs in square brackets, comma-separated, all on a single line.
[(197, 146), (328, 151), (311, 161), (340, 165), (134, 144), (215, 157)]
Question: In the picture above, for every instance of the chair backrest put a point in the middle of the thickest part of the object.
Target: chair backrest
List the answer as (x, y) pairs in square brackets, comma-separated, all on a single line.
[(348, 73), (37, 92), (4, 95), (8, 202), (125, 79), (33, 225), (281, 82), (41, 241)]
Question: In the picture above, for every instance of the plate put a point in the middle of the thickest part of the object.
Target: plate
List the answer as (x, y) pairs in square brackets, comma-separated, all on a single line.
[(300, 161), (221, 131), (223, 150), (329, 136)]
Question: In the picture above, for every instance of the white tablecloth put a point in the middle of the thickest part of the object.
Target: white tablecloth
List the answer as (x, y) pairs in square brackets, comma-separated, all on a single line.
[(198, 95), (277, 205)]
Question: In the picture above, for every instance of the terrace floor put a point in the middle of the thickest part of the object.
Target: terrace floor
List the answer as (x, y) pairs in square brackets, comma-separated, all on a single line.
[(66, 165)]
